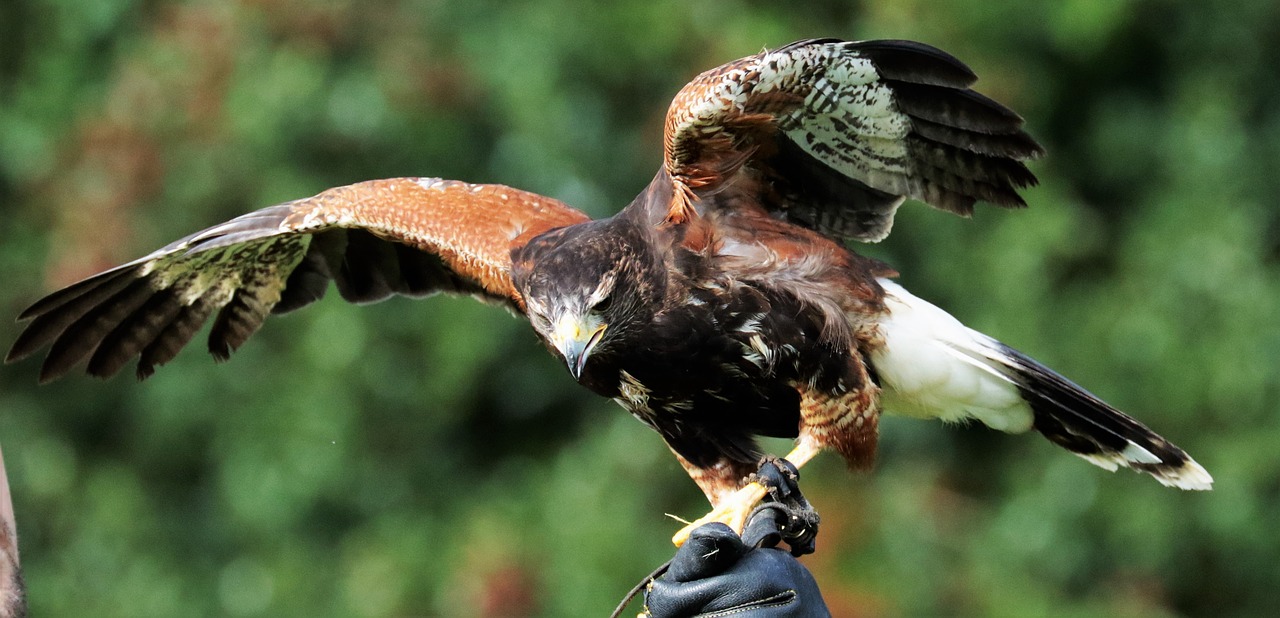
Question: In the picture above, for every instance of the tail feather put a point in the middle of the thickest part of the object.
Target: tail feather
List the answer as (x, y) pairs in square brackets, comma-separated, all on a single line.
[(1078, 421), (932, 365)]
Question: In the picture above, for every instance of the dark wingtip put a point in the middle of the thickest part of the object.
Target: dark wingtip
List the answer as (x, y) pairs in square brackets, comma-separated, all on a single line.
[(898, 59), (54, 314), (1035, 149), (915, 62), (1016, 145), (29, 341), (77, 290), (13, 355), (50, 373)]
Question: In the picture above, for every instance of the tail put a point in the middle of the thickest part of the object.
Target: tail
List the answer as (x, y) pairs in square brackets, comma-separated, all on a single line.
[(931, 365)]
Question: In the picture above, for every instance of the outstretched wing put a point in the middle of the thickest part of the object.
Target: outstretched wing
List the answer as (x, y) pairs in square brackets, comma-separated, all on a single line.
[(834, 135), (411, 236)]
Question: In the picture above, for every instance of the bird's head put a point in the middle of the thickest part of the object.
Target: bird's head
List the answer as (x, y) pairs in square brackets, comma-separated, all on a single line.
[(589, 287)]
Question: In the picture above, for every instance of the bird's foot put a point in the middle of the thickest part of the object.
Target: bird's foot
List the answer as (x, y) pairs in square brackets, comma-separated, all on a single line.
[(776, 483), (731, 511), (785, 514)]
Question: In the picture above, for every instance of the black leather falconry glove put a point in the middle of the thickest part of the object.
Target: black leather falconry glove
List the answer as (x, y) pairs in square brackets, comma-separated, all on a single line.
[(718, 573)]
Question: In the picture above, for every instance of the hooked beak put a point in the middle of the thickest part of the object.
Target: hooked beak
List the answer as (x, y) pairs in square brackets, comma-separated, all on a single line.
[(575, 337)]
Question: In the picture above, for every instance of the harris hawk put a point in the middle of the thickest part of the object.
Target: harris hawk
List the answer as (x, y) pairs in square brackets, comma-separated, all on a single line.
[(720, 305)]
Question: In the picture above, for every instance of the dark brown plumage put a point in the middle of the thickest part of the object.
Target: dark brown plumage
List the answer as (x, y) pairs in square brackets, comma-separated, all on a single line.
[(720, 305)]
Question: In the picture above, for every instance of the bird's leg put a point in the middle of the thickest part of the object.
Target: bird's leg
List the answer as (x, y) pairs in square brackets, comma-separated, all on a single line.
[(734, 508), (846, 422)]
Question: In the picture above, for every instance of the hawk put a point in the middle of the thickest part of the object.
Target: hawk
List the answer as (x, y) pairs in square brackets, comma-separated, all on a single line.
[(720, 305)]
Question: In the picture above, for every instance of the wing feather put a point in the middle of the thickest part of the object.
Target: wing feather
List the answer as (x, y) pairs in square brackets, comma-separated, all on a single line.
[(953, 107), (132, 335), (1016, 146), (372, 239), (914, 62), (176, 334), (834, 135), (82, 336)]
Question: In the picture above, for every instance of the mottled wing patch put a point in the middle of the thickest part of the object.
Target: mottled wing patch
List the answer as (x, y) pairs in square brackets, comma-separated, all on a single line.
[(634, 396), (372, 239), (843, 132)]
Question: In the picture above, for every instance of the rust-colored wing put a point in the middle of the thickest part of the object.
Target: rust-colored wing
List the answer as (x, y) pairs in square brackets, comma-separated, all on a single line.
[(411, 236), (834, 135)]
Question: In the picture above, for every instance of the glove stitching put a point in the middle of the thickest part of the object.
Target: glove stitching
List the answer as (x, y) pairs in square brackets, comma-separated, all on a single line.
[(782, 599)]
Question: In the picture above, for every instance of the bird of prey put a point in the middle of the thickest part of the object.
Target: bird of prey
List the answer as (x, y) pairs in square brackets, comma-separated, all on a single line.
[(720, 305)]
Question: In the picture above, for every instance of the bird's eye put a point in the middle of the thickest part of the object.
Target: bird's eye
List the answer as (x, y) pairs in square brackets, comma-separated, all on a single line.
[(604, 304), (537, 316), (541, 320)]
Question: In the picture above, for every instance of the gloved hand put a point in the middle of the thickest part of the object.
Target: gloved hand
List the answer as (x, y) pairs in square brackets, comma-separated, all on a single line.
[(717, 572)]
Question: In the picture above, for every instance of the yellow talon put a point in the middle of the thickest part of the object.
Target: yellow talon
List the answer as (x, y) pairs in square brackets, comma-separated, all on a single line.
[(731, 511)]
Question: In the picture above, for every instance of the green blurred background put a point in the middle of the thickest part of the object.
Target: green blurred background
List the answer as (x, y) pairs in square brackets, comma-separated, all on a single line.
[(430, 458)]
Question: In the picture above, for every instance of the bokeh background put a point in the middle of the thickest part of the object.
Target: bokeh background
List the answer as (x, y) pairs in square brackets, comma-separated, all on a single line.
[(429, 458)]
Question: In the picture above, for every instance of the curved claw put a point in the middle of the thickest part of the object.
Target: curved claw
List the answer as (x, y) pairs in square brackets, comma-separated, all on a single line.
[(732, 511), (786, 515), (766, 511)]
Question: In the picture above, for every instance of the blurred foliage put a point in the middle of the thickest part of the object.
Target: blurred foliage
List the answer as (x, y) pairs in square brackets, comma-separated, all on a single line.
[(431, 458)]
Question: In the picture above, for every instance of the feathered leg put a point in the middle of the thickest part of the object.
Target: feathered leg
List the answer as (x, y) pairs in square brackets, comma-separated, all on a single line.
[(717, 482), (847, 423)]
